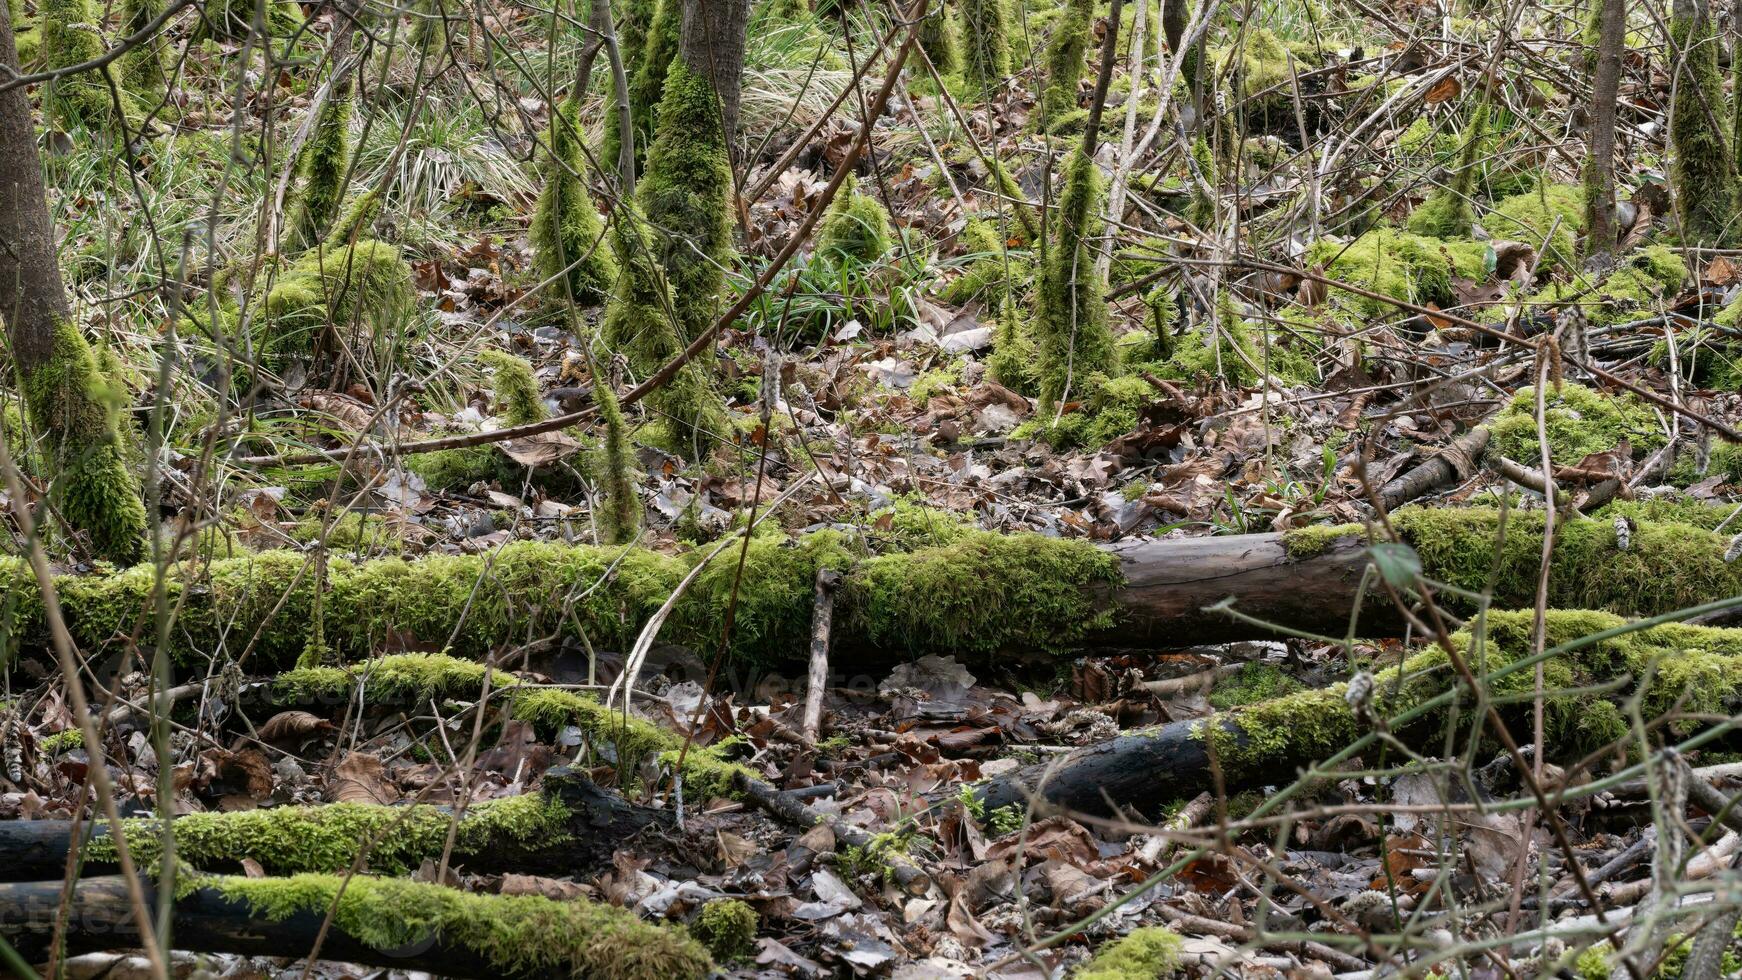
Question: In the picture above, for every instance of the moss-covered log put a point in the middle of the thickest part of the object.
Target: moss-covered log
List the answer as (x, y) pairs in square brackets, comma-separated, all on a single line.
[(401, 924), (1698, 669), (974, 597), (572, 826)]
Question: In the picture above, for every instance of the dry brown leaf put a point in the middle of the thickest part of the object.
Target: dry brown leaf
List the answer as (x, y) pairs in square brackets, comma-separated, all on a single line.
[(359, 778), (292, 724), (554, 889), (541, 449), (1445, 90)]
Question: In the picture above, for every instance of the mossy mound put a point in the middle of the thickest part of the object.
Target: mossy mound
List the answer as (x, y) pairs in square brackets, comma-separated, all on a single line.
[(233, 20), (993, 273), (1638, 287), (1404, 266), (977, 595), (366, 284), (1109, 409), (1255, 682), (1549, 219), (1149, 953), (1667, 663), (1578, 421), (1260, 65), (856, 226), (727, 927), (517, 934)]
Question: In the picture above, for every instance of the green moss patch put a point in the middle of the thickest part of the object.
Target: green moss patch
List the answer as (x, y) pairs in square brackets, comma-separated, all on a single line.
[(1552, 215), (288, 840), (518, 934), (1578, 422), (1404, 266), (1701, 664), (1149, 953)]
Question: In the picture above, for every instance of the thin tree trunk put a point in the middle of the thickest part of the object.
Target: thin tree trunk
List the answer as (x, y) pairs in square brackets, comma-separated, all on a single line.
[(712, 42), (1600, 227), (94, 491)]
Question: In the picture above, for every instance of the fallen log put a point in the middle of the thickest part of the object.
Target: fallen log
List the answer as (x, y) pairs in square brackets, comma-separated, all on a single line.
[(383, 922), (978, 596), (570, 827), (1271, 742)]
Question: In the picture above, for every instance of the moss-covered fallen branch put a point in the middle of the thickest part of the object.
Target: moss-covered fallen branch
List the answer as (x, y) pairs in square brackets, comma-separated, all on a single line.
[(415, 678), (386, 922), (1670, 563), (976, 595), (1690, 669), (326, 838)]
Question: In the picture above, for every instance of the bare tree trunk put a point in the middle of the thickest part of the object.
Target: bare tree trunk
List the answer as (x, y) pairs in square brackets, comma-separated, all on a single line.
[(1600, 233), (93, 490), (712, 42)]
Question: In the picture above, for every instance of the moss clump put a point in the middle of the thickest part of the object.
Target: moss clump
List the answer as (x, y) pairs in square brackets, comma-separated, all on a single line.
[(986, 31), (993, 274), (911, 524), (1234, 357), (336, 286), (60, 742), (322, 169), (1401, 265), (727, 927), (353, 531), (1699, 664), (1530, 217), (1255, 682), (1064, 61), (457, 469), (937, 38), (1149, 953), (1702, 174), (516, 388), (77, 408), (1640, 284), (1110, 409), (1579, 422), (517, 934), (981, 594), (233, 20), (144, 69), (568, 238), (1448, 212), (1072, 337), (72, 34), (295, 839), (1013, 363), (856, 226)]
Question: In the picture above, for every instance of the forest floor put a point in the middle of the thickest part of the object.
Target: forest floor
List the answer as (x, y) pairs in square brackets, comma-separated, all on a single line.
[(864, 397)]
